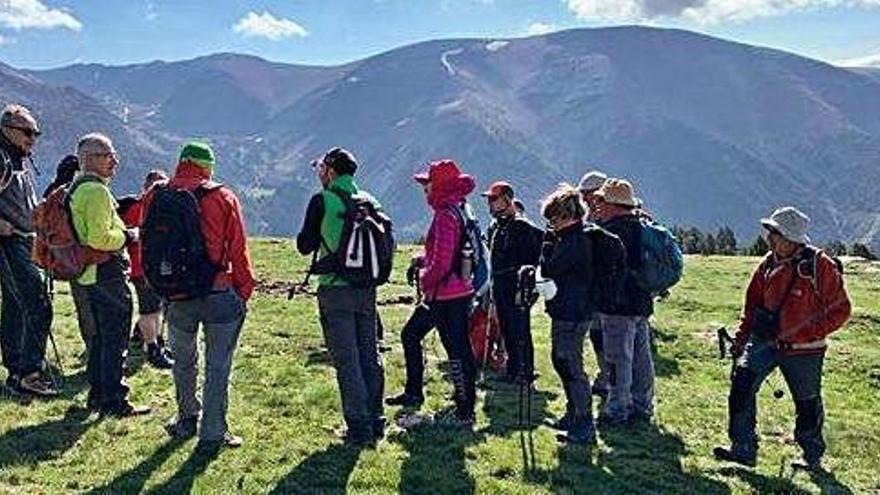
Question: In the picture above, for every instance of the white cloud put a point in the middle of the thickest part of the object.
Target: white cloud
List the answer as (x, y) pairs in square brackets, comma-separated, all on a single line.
[(2, 40), (702, 11), (868, 61), (266, 25), (25, 14), (150, 11), (539, 28)]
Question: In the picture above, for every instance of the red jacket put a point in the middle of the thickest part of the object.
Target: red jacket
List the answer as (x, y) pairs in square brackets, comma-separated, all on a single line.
[(223, 229), (438, 278), (133, 218), (817, 305)]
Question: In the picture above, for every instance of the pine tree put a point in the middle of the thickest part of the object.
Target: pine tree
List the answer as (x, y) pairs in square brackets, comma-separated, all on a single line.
[(759, 247), (861, 250)]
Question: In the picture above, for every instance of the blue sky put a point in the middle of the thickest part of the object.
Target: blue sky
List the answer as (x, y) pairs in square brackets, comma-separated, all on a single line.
[(51, 33)]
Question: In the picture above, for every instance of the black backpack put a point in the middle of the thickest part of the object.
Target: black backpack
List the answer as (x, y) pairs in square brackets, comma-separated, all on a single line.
[(609, 268), (176, 263), (366, 247)]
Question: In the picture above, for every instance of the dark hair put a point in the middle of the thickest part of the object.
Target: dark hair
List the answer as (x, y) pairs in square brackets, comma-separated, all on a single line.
[(64, 173), (341, 161), (154, 176)]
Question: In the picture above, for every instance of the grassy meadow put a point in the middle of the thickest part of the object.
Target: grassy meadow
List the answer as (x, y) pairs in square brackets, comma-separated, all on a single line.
[(284, 403)]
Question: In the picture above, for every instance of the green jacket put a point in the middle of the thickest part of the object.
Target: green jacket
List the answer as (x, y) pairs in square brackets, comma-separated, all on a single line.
[(93, 210), (322, 227)]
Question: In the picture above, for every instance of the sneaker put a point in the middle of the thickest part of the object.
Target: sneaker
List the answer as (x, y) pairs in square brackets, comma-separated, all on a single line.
[(158, 357), (36, 384), (406, 400), (735, 455), (182, 428), (124, 409), (562, 424), (208, 447)]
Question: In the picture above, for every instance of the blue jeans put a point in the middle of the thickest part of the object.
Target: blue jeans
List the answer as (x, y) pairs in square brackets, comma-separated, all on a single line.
[(803, 375), (26, 312), (221, 315), (567, 354)]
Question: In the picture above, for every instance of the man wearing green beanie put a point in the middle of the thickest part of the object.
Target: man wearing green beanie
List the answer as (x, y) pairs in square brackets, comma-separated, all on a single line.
[(220, 309)]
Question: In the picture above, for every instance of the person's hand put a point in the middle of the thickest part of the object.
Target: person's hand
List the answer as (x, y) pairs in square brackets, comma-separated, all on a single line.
[(737, 348), (6, 228), (132, 235)]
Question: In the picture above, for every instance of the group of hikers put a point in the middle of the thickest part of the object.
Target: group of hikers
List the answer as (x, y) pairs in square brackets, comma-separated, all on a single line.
[(599, 264)]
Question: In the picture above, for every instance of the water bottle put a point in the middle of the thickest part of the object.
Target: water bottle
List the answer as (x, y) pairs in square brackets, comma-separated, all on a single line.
[(467, 261)]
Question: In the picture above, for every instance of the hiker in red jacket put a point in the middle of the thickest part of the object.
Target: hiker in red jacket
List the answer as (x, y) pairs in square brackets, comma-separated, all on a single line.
[(221, 312), (796, 298), (447, 293), (148, 329)]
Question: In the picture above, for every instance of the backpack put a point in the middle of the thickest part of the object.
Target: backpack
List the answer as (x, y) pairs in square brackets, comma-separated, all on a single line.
[(472, 261), (57, 248), (609, 268), (174, 256), (366, 247), (662, 260)]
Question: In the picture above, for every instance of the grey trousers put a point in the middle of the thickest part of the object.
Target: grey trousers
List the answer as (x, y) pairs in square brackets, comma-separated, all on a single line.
[(348, 318), (627, 343), (221, 316), (567, 354)]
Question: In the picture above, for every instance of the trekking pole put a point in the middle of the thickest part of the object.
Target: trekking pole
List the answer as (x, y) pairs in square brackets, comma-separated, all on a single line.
[(50, 287), (725, 342)]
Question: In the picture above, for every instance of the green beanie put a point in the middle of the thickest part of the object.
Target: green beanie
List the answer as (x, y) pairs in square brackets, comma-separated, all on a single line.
[(199, 153)]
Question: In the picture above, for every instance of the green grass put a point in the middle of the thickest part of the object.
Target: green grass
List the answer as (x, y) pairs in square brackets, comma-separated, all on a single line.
[(285, 404)]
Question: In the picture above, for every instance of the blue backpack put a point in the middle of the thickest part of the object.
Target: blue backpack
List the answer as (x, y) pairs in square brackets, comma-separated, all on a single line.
[(473, 258), (662, 260)]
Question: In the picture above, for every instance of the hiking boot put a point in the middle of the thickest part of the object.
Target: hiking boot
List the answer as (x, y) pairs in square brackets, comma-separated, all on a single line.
[(36, 384), (406, 400), (453, 418), (562, 424), (182, 428), (159, 357), (210, 447), (124, 409), (579, 436), (739, 456)]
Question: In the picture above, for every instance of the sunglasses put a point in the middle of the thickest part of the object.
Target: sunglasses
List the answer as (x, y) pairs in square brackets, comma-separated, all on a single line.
[(27, 131)]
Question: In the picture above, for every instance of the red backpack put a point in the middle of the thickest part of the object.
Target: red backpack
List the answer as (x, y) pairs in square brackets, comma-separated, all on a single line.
[(57, 248)]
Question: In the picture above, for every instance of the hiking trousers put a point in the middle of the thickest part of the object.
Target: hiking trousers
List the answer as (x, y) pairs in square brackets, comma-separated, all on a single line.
[(803, 375), (25, 310), (517, 332), (453, 321), (109, 302), (597, 342), (221, 316), (567, 354), (348, 319), (627, 347), (417, 327)]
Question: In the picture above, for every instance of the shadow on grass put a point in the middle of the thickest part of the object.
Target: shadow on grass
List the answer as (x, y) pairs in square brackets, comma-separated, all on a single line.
[(325, 472), (320, 357), (645, 458), (182, 480), (663, 366), (133, 480), (436, 461), (45, 441), (828, 483)]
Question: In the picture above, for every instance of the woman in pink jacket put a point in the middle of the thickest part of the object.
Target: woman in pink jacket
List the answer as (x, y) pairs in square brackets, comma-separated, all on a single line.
[(445, 283)]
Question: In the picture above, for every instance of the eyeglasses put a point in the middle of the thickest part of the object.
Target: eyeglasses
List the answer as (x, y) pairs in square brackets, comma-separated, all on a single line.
[(106, 154), (27, 131)]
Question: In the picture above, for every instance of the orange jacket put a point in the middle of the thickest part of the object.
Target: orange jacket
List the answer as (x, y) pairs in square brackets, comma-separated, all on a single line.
[(816, 306), (223, 229)]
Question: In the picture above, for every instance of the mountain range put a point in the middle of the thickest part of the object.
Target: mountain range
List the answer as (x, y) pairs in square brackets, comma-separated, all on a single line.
[(712, 132)]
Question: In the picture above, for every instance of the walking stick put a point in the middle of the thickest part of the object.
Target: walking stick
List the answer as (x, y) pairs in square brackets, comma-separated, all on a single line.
[(56, 381)]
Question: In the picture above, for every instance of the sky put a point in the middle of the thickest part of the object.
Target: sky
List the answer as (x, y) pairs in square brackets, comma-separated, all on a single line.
[(37, 34)]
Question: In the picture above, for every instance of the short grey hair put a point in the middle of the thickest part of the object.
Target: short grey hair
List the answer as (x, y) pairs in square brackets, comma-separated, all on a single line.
[(91, 143)]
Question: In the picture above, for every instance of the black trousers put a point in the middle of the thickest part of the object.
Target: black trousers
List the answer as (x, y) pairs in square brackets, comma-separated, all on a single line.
[(517, 331)]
